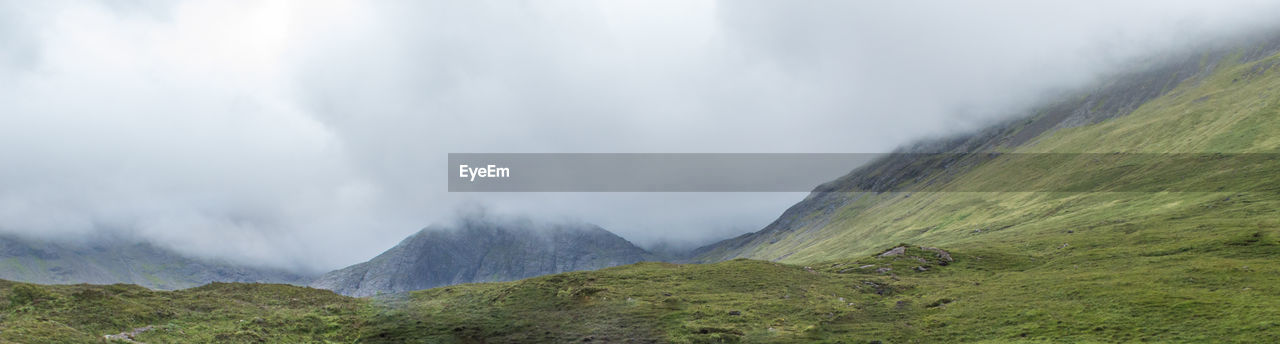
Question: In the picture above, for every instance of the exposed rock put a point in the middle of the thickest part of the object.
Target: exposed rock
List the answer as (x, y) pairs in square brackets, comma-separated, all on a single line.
[(884, 269), (128, 336), (921, 269), (896, 251), (879, 289), (735, 313)]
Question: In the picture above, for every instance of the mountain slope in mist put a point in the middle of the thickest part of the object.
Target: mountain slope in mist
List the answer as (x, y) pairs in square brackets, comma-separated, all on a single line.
[(478, 249), (1217, 100), (1162, 253), (117, 261)]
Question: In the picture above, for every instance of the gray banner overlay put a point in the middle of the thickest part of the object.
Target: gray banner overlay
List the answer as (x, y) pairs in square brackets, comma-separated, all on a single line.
[(876, 172)]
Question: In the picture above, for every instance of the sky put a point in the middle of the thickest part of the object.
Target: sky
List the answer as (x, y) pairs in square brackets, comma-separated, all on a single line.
[(313, 134)]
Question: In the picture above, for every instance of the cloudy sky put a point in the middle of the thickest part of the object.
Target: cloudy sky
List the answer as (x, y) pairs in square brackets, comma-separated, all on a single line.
[(313, 134)]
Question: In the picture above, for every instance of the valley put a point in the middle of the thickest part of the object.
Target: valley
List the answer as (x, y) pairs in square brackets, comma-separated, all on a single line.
[(1121, 235)]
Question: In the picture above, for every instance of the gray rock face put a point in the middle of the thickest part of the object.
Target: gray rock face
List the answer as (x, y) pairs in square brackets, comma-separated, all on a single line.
[(112, 261), (896, 251), (483, 250)]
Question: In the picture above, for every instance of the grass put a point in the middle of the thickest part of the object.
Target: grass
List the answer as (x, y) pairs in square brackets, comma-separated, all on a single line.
[(1089, 267), (1177, 278), (1235, 109), (1223, 290), (218, 312)]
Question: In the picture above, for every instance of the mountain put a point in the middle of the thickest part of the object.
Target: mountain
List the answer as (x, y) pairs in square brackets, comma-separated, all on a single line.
[(480, 249), (1218, 100), (110, 261), (1033, 230), (1088, 246)]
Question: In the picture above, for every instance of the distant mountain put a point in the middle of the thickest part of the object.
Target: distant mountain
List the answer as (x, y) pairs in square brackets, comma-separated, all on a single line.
[(479, 249), (121, 261)]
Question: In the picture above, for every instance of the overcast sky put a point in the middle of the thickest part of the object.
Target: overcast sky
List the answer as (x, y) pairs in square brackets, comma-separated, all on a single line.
[(313, 134)]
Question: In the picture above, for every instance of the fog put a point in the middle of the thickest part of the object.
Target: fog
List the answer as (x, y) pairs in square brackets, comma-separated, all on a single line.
[(313, 134)]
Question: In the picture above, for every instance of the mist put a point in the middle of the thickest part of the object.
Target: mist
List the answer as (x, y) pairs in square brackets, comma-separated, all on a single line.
[(312, 134)]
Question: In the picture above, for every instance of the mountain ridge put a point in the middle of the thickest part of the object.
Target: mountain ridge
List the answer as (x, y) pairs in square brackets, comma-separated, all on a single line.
[(1117, 97), (478, 249), (111, 261)]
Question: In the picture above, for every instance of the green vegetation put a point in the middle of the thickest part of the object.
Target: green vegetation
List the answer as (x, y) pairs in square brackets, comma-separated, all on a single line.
[(217, 312), (1089, 291), (1233, 110), (1153, 266), (1114, 266)]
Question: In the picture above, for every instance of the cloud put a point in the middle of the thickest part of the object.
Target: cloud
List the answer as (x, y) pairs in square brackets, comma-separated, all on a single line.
[(313, 134)]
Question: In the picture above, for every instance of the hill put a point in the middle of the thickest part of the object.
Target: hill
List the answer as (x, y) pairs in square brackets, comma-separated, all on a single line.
[(480, 249), (110, 261), (910, 294), (1220, 101), (216, 312), (1086, 245)]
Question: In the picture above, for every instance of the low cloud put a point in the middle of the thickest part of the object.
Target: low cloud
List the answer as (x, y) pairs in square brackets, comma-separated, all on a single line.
[(313, 134)]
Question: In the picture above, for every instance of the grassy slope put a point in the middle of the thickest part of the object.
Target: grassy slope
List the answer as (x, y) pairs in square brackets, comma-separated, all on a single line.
[(1108, 266), (1078, 267), (1207, 294), (1234, 110), (218, 312)]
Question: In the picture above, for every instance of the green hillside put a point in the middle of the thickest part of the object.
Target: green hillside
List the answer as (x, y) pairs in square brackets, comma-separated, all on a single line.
[(1232, 107), (1137, 258), (1210, 294), (217, 312)]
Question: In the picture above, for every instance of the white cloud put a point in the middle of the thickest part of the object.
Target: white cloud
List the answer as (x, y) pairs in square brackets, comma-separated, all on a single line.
[(313, 133)]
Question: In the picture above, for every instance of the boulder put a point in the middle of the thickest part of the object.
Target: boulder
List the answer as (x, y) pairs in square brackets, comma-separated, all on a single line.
[(896, 251)]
